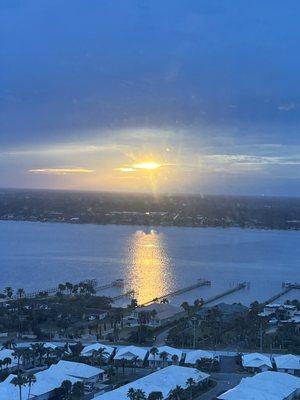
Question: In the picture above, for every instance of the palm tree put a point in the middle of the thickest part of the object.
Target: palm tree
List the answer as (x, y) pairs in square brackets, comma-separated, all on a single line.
[(69, 287), (131, 394), (18, 353), (154, 352), (20, 381), (101, 353), (9, 344), (61, 288), (20, 293), (78, 390), (190, 384), (8, 291), (6, 362), (155, 396), (164, 356), (175, 358), (30, 380), (176, 393), (66, 388), (140, 395)]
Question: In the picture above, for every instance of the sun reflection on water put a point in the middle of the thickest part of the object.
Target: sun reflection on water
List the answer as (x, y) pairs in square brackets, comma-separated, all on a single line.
[(149, 266)]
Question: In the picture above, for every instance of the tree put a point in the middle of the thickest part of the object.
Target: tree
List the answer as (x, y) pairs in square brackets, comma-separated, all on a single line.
[(140, 395), (163, 356), (77, 391), (6, 362), (19, 381), (8, 291), (131, 394), (69, 287), (176, 393), (61, 288), (155, 396), (9, 344), (66, 388), (175, 358), (30, 380), (20, 293), (190, 384), (154, 352)]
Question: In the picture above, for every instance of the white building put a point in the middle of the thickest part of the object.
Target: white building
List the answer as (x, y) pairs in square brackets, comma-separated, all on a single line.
[(256, 362), (131, 353), (288, 363), (155, 314), (173, 356), (193, 356), (83, 372), (6, 354), (89, 350), (265, 386), (163, 381)]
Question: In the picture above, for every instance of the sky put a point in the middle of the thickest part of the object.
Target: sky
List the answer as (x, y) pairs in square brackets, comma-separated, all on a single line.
[(188, 96)]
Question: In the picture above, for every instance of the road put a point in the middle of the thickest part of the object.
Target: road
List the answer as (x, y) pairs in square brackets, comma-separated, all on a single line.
[(224, 382)]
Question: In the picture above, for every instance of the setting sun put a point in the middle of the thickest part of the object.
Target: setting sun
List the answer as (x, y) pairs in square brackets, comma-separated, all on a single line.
[(149, 165)]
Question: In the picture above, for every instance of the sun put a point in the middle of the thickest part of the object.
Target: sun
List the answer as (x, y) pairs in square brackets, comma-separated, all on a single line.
[(148, 165)]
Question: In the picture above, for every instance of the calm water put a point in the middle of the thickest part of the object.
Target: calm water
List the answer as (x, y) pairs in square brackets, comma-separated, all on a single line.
[(153, 262)]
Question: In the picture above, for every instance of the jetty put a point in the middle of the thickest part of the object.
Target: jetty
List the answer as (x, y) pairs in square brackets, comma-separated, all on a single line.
[(218, 296), (287, 287), (118, 283), (199, 283), (126, 294)]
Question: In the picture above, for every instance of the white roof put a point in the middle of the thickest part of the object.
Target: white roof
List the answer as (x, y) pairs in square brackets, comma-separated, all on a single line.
[(287, 361), (75, 369), (264, 386), (163, 381), (255, 360), (130, 352), (96, 346), (167, 349), (46, 381), (194, 355)]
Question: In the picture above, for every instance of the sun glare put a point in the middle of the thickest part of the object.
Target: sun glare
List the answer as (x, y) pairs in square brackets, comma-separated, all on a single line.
[(149, 165)]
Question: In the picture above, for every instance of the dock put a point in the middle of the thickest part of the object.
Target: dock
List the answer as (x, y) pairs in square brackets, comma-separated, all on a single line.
[(199, 283), (238, 287), (118, 283), (288, 287)]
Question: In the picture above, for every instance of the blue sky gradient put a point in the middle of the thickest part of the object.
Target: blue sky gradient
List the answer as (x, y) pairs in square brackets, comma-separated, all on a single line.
[(208, 88)]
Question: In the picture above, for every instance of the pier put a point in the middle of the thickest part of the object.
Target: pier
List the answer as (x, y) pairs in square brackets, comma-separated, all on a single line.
[(120, 296), (199, 283), (288, 287), (118, 283), (238, 287)]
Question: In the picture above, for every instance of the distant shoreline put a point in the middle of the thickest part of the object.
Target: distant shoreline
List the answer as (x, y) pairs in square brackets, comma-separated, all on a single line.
[(154, 226)]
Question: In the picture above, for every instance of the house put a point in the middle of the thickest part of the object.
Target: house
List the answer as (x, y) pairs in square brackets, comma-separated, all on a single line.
[(226, 312), (155, 315), (193, 356), (173, 356), (131, 353), (288, 363), (83, 372), (265, 386), (43, 389), (281, 311), (163, 380), (89, 350), (255, 362)]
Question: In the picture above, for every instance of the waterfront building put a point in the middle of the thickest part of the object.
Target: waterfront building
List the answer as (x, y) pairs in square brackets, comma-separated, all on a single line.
[(265, 386), (163, 381), (172, 356), (131, 353), (288, 363), (193, 356), (256, 362), (89, 350), (155, 315)]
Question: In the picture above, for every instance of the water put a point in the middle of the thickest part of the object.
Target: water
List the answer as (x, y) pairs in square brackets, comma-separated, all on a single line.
[(152, 262)]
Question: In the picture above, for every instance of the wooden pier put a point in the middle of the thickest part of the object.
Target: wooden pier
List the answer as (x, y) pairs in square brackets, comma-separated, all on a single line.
[(199, 283), (126, 294), (288, 287), (238, 287), (118, 283)]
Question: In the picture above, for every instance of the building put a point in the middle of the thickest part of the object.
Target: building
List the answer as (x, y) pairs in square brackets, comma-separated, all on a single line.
[(173, 356), (89, 350), (193, 356), (227, 313), (43, 389), (163, 381), (281, 311), (256, 362), (265, 386), (80, 371), (155, 315), (131, 353), (288, 363)]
